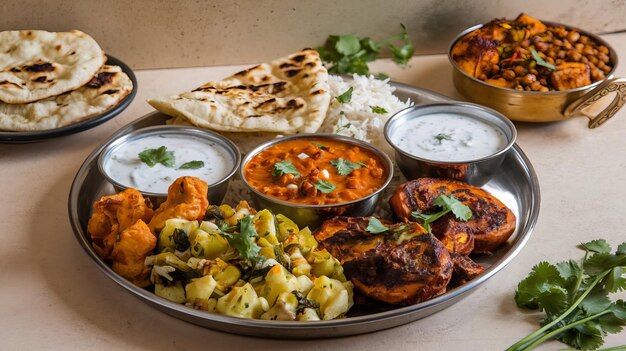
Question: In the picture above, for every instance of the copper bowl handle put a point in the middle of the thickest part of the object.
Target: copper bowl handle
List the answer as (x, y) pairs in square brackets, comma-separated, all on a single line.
[(616, 86)]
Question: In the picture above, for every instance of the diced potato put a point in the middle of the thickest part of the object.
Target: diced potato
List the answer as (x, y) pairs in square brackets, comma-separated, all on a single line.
[(332, 297), (268, 252), (227, 210), (240, 302), (265, 226), (166, 236), (208, 245), (299, 265), (277, 281), (173, 292), (304, 284), (308, 314), (199, 291), (303, 239), (285, 227), (324, 264), (227, 277), (284, 309)]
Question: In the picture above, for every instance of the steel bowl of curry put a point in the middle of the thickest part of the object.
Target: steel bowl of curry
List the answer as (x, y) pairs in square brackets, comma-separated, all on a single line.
[(309, 177), (537, 71)]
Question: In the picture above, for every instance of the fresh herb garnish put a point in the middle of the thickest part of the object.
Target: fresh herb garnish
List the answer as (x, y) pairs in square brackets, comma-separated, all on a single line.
[(540, 61), (192, 165), (575, 298), (362, 164), (443, 136), (379, 110), (319, 146), (345, 167), (284, 167), (343, 123), (351, 54), (324, 186), (161, 155), (448, 204), (243, 241), (345, 97), (374, 226)]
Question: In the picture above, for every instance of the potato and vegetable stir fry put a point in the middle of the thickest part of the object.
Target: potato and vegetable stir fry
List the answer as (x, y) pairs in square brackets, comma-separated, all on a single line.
[(250, 265), (232, 261)]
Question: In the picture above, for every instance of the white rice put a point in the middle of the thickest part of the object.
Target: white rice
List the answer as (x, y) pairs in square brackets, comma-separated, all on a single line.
[(356, 118)]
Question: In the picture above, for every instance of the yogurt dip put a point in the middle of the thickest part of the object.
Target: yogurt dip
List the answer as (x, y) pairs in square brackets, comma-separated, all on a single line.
[(126, 168), (446, 137)]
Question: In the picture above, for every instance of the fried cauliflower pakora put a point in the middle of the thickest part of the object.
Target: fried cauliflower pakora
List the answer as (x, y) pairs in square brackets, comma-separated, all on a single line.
[(112, 215), (130, 251), (186, 199)]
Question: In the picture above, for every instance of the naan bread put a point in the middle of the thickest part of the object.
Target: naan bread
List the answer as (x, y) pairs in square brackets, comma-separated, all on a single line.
[(288, 95), (105, 90), (36, 64)]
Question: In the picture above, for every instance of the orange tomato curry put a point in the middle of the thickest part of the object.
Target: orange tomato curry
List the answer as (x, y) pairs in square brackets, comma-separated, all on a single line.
[(316, 171)]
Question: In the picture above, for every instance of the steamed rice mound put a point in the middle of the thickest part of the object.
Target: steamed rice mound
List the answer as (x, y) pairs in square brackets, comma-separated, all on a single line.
[(356, 118)]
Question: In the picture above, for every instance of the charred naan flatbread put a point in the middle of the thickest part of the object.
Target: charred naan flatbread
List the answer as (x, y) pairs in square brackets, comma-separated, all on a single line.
[(105, 90), (35, 64), (288, 95)]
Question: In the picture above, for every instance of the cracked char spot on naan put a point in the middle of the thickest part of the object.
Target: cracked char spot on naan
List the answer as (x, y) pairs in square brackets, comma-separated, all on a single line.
[(36, 64), (288, 95)]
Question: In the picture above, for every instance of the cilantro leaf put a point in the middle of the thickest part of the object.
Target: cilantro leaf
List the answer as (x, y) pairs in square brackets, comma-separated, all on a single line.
[(324, 186), (541, 277), (348, 45), (460, 210), (284, 167), (351, 54), (575, 298), (345, 97), (448, 204), (344, 167), (319, 146), (597, 246), (379, 110), (192, 165), (540, 61), (621, 249), (244, 241), (161, 155), (374, 226)]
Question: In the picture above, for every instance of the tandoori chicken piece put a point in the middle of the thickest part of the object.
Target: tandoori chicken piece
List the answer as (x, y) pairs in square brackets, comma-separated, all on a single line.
[(403, 265), (135, 243), (476, 54), (112, 215), (491, 224), (186, 199)]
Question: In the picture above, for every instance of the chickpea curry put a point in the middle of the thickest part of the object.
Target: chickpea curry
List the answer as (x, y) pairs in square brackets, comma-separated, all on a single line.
[(316, 171), (526, 54)]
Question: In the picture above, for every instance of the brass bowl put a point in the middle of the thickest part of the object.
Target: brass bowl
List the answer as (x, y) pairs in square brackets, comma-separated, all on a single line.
[(551, 106)]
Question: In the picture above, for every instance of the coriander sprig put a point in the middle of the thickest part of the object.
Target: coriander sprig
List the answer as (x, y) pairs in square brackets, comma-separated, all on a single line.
[(448, 204), (575, 298), (351, 54)]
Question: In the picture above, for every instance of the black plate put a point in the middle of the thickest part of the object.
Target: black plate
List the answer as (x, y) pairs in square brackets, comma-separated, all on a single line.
[(29, 137)]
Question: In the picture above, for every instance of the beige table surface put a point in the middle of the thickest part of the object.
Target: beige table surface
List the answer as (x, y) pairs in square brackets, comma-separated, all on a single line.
[(53, 297)]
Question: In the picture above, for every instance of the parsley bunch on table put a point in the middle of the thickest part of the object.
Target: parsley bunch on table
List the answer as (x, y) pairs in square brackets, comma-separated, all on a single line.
[(350, 54), (575, 298)]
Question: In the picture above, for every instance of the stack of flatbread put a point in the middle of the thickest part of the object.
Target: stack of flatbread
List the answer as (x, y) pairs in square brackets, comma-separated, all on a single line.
[(53, 79), (288, 95)]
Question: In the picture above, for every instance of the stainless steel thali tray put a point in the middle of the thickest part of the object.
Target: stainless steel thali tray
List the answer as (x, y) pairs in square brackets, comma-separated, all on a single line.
[(515, 184)]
